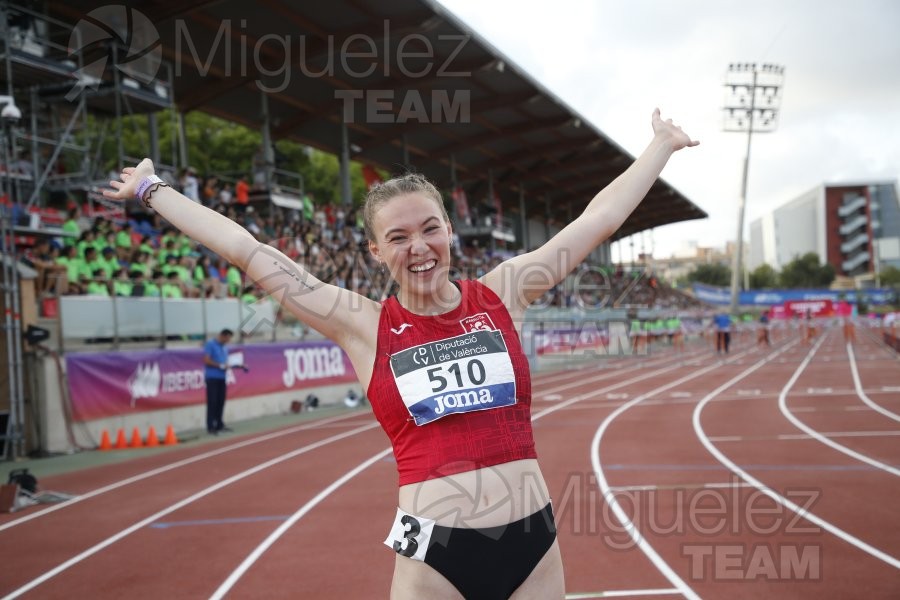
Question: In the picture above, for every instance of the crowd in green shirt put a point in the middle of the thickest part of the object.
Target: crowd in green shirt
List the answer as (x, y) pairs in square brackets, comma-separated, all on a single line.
[(107, 260)]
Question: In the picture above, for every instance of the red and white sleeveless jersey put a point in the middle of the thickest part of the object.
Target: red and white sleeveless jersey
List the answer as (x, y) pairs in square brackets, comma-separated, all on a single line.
[(452, 391)]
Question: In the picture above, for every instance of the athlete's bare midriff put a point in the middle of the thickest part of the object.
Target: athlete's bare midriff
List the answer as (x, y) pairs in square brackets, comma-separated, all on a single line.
[(486, 497)]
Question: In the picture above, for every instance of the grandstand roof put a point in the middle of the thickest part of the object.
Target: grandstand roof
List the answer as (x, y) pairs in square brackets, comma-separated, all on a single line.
[(516, 128)]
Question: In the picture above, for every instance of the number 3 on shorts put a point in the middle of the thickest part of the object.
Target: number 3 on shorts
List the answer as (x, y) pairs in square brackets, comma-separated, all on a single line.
[(408, 546), (410, 535)]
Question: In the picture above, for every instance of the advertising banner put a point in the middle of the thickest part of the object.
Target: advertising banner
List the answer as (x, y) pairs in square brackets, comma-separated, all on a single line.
[(120, 383), (719, 295), (816, 308)]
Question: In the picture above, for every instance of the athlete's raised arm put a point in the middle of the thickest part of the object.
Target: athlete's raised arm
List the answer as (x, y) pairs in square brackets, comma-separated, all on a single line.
[(335, 312), (521, 280)]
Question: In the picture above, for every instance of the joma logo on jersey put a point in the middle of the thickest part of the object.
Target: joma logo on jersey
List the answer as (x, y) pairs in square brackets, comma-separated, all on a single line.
[(462, 400), (479, 322)]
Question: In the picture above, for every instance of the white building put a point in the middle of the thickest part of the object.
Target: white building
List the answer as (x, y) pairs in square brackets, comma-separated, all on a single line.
[(847, 224)]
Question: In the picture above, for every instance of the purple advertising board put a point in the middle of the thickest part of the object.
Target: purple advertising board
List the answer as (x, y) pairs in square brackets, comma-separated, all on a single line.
[(112, 384)]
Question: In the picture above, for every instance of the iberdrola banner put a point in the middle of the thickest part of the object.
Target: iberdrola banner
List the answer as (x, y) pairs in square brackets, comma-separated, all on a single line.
[(111, 384)]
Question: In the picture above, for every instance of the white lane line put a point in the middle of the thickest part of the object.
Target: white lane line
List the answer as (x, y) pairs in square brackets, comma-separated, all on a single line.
[(609, 374), (175, 465), (816, 409), (259, 550), (610, 497), (622, 594), (801, 436), (181, 504), (753, 392), (273, 537), (678, 486), (861, 393), (704, 439), (782, 406)]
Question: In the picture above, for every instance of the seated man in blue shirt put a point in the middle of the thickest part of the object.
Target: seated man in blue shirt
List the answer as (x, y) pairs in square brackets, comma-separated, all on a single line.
[(215, 357)]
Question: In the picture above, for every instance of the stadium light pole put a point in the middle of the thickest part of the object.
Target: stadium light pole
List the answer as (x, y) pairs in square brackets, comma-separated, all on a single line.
[(753, 97)]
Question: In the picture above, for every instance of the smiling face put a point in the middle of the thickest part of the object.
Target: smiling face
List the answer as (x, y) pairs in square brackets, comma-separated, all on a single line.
[(412, 239)]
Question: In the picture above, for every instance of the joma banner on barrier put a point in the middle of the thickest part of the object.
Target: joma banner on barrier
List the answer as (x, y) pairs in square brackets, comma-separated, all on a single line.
[(110, 384), (719, 295)]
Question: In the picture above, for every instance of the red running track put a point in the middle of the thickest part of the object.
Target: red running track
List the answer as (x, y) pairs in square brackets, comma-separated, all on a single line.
[(766, 473)]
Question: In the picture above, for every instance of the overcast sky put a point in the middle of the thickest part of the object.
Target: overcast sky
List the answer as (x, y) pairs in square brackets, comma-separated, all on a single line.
[(614, 60)]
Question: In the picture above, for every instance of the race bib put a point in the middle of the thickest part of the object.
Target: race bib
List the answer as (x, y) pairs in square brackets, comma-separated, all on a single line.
[(410, 535), (461, 374)]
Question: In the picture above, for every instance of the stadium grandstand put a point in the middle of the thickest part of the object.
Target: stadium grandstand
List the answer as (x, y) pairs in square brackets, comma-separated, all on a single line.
[(83, 275)]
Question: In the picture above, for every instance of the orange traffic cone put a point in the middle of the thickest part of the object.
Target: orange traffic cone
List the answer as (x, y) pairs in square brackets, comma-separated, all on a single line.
[(136, 439), (105, 444), (152, 440), (170, 440), (121, 442)]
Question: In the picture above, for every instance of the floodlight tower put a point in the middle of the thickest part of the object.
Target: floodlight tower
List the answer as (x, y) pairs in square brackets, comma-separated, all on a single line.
[(752, 100)]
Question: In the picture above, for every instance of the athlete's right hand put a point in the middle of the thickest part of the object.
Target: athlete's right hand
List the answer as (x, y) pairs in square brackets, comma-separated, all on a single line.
[(126, 186)]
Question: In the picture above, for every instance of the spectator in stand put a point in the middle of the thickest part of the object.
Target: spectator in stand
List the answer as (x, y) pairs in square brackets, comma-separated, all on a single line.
[(241, 194), (108, 261), (250, 221), (146, 245), (153, 287), (123, 242), (309, 208), (98, 285), (121, 284), (233, 280), (139, 284), (190, 186), (185, 271), (74, 268), (86, 241), (248, 296), (91, 261), (225, 194), (52, 277), (140, 263), (72, 226), (168, 235), (107, 240), (184, 245), (169, 177), (172, 286), (206, 278), (210, 191), (166, 251)]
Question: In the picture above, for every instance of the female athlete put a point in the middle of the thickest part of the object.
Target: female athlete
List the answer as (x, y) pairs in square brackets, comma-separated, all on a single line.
[(443, 368)]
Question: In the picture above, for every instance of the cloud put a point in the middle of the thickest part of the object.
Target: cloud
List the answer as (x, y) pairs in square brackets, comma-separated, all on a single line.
[(614, 61)]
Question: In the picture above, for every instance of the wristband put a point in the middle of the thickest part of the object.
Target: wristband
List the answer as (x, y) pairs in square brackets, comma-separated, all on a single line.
[(145, 184)]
